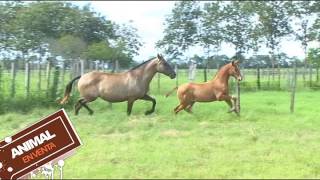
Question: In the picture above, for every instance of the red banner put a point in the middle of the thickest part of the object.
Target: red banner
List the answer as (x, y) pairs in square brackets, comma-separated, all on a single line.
[(43, 142)]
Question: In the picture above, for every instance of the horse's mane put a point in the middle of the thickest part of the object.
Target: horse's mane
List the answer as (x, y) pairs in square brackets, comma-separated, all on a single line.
[(145, 62)]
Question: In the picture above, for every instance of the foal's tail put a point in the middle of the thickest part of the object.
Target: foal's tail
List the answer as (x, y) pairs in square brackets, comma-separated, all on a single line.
[(68, 90), (170, 92)]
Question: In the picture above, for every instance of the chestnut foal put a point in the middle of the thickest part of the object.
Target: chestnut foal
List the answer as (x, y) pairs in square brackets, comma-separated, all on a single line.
[(214, 90)]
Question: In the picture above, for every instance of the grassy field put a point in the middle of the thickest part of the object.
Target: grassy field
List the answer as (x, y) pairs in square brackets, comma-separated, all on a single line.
[(265, 142)]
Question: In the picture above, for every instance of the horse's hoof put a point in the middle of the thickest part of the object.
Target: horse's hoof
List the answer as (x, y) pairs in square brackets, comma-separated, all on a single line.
[(90, 113), (232, 110), (148, 112)]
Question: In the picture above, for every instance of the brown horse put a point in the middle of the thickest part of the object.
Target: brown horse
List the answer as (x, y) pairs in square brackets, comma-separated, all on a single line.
[(118, 87), (213, 90)]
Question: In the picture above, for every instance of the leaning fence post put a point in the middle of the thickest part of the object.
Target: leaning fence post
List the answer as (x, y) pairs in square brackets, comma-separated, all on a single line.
[(27, 79)]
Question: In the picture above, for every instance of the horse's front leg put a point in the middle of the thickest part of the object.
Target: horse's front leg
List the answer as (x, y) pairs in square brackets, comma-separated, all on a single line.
[(228, 99), (149, 98), (129, 107)]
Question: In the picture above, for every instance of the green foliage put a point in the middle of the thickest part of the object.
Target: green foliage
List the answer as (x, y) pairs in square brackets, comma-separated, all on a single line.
[(99, 51), (68, 46), (62, 29), (314, 56)]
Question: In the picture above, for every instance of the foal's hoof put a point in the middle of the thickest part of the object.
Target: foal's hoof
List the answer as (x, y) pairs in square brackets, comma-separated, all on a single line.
[(232, 110)]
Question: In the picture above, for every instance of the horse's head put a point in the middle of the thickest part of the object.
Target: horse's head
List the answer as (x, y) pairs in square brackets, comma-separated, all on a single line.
[(234, 70), (164, 67)]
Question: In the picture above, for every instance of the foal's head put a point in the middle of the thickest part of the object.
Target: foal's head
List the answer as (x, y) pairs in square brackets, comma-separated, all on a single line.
[(234, 70), (164, 68)]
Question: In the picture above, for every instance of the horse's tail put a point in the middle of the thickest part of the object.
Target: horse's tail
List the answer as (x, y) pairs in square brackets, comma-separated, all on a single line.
[(170, 92), (68, 90)]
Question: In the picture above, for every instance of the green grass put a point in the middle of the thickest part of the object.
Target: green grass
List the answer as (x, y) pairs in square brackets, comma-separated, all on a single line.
[(265, 142)]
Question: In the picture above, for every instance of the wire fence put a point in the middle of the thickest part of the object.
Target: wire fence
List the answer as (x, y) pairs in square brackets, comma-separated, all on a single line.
[(35, 80)]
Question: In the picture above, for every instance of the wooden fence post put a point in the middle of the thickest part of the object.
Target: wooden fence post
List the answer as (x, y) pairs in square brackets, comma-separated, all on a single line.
[(39, 78), (258, 77), (238, 98), (177, 72), (13, 79), (62, 76), (81, 67), (293, 87), (158, 82), (97, 65), (48, 77), (310, 75), (27, 79)]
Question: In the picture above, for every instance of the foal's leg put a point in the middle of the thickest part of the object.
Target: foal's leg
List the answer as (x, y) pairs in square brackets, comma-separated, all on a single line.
[(228, 99), (229, 102), (189, 107), (149, 98), (180, 107)]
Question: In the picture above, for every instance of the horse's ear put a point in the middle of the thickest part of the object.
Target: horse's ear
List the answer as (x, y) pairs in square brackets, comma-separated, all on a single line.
[(235, 62), (158, 56)]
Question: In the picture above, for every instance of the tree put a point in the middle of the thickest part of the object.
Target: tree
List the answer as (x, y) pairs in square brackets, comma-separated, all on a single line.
[(274, 22), (314, 58), (301, 12), (69, 47), (237, 26), (211, 35), (127, 35), (181, 28), (99, 51)]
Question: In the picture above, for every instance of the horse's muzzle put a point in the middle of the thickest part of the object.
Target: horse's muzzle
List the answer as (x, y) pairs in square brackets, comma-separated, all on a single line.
[(239, 78), (173, 75)]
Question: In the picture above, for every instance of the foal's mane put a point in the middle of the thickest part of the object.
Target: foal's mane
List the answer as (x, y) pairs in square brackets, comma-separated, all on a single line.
[(145, 62)]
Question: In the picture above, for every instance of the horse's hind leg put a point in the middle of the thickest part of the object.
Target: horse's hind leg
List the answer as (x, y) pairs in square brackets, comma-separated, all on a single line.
[(78, 106), (189, 107), (83, 102), (179, 108), (87, 107)]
